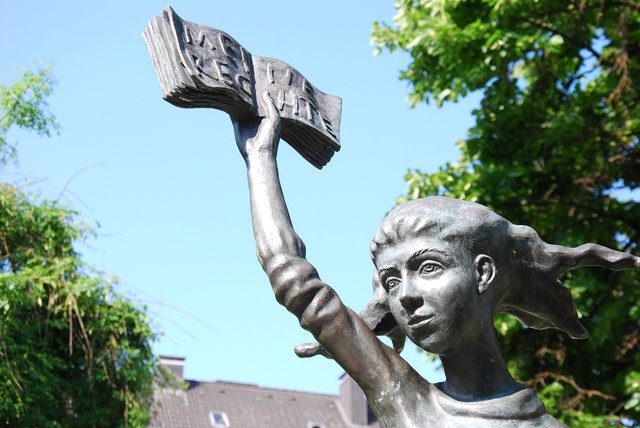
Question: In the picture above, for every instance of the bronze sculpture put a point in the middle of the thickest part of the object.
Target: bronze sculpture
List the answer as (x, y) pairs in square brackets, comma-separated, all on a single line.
[(199, 66), (443, 268)]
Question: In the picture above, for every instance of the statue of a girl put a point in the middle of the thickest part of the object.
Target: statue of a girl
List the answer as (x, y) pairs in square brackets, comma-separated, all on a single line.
[(443, 268)]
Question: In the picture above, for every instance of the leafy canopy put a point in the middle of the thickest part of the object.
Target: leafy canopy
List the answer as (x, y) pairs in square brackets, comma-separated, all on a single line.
[(555, 146), (73, 352), (24, 104)]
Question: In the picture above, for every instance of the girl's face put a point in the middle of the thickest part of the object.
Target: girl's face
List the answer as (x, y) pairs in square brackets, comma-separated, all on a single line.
[(433, 292)]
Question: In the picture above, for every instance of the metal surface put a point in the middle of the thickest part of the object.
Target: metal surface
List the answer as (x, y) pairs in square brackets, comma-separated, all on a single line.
[(199, 66), (443, 268)]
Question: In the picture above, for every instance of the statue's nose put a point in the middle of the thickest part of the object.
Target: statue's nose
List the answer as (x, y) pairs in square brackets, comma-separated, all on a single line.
[(410, 299)]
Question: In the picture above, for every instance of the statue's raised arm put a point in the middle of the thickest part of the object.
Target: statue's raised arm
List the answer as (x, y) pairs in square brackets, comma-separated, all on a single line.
[(442, 267), (281, 253)]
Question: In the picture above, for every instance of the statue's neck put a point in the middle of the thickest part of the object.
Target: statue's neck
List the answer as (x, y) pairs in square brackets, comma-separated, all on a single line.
[(477, 371)]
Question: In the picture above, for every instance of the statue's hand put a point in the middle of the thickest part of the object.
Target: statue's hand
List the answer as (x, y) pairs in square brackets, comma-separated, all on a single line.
[(308, 350), (259, 136)]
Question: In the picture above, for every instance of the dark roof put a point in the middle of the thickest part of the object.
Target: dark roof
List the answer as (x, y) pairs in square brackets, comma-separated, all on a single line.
[(246, 406)]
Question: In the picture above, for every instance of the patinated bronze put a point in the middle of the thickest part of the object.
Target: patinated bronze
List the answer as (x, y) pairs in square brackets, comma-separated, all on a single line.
[(200, 66), (442, 269)]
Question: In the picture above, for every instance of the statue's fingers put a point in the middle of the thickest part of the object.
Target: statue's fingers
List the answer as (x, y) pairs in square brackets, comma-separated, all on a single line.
[(272, 122), (308, 350), (270, 106)]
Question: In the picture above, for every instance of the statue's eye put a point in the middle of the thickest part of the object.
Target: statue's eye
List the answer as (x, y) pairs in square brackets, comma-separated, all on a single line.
[(391, 283), (430, 267)]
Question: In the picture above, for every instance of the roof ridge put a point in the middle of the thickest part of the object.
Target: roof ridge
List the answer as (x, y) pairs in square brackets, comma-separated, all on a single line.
[(260, 387)]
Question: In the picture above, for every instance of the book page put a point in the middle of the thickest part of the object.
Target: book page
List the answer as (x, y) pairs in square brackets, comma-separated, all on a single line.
[(214, 58)]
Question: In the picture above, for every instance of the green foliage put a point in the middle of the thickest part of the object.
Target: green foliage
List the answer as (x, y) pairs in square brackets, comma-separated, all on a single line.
[(555, 146), (24, 105), (73, 352)]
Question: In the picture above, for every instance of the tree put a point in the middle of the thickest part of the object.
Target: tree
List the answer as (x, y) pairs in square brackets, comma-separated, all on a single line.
[(555, 146), (73, 352)]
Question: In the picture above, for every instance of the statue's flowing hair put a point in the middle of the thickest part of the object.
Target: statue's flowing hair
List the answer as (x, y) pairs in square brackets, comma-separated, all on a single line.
[(529, 267)]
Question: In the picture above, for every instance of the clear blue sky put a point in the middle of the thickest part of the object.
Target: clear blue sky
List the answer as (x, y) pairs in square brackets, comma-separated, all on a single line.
[(169, 189)]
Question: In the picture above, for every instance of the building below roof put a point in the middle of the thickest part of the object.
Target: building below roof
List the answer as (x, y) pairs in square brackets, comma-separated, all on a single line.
[(237, 405)]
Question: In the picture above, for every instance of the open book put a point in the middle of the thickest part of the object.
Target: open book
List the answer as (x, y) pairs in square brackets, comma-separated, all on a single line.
[(199, 66)]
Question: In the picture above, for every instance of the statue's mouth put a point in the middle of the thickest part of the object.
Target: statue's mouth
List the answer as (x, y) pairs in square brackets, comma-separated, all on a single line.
[(420, 320)]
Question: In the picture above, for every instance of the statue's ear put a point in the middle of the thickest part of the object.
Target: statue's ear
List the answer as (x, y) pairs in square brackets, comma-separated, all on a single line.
[(485, 272)]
